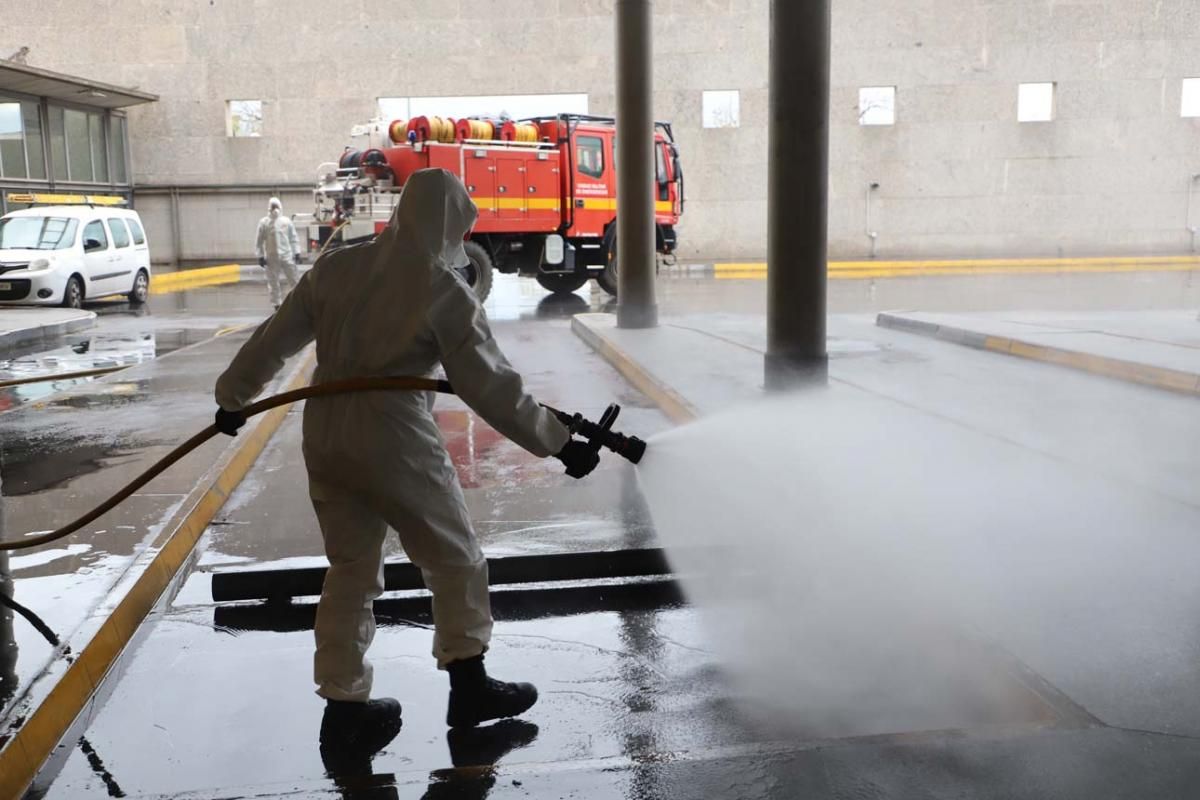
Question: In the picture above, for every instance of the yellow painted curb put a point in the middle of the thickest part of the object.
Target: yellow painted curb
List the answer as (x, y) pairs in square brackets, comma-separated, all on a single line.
[(24, 754), (1130, 371), (677, 409), (161, 283)]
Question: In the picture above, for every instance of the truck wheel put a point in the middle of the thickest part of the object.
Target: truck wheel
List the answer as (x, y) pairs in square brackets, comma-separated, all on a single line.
[(478, 273), (608, 276), (562, 282)]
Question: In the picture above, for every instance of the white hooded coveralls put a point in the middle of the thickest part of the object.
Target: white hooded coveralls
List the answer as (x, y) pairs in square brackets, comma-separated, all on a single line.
[(394, 307), (278, 244)]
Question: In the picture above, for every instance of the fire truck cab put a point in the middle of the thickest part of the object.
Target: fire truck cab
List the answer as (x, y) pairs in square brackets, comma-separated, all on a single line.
[(546, 190)]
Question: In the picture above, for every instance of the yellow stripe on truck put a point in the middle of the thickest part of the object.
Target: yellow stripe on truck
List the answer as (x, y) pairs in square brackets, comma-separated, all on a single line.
[(514, 203), (553, 204), (610, 204)]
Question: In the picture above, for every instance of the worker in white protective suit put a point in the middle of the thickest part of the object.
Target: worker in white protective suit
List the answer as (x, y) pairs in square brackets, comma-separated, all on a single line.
[(278, 250), (395, 306)]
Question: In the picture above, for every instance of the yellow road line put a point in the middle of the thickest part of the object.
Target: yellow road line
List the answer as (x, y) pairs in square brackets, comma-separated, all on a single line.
[(983, 266), (232, 329), (837, 274), (25, 752), (677, 409), (162, 283), (1130, 371), (1119, 369)]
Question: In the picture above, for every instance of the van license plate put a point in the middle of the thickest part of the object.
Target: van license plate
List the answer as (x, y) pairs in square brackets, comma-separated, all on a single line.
[(5, 286)]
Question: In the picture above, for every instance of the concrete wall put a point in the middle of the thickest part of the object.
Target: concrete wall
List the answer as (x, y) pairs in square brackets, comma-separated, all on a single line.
[(957, 174)]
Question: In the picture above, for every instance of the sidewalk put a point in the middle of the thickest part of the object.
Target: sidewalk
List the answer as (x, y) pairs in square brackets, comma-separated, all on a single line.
[(25, 326), (1118, 640), (62, 458), (1156, 348)]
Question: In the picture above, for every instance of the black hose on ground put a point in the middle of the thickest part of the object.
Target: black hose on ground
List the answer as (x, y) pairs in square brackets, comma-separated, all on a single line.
[(32, 618)]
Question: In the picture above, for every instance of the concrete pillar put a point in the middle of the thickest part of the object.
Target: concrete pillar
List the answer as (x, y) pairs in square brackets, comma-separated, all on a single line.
[(636, 306), (176, 228), (798, 192)]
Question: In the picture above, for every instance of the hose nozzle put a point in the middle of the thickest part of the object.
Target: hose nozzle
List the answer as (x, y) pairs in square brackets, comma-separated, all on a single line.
[(600, 434)]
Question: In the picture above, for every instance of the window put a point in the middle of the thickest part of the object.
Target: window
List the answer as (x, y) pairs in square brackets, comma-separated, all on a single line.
[(58, 143), (79, 145), (1035, 102), (721, 109), (94, 237), (12, 140), (244, 118), (1191, 97), (139, 237), (877, 105), (660, 171), (99, 150), (116, 148), (21, 153), (34, 149), (589, 152), (37, 233), (120, 234)]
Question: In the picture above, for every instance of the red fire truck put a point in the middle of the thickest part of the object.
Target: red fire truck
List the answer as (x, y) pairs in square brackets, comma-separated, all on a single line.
[(546, 189)]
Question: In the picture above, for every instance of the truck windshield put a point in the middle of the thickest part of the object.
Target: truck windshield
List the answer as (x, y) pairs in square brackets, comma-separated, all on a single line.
[(37, 233)]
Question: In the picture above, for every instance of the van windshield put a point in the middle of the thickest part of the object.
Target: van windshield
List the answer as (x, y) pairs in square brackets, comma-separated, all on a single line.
[(37, 233)]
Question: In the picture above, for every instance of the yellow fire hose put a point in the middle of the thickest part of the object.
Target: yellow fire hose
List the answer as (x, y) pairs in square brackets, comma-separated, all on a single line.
[(266, 404)]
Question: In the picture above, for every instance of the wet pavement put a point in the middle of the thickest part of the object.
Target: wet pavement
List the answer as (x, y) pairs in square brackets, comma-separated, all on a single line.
[(25, 325), (217, 700), (69, 451), (1109, 624), (124, 335)]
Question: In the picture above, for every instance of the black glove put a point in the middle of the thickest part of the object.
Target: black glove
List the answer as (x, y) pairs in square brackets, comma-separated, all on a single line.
[(228, 422), (579, 458), (299, 258), (262, 262)]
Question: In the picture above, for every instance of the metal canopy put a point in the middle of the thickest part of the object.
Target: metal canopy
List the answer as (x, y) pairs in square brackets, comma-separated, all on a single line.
[(56, 86)]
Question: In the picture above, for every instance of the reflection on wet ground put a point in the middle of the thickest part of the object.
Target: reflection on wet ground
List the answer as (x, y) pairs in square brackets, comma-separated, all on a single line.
[(630, 685)]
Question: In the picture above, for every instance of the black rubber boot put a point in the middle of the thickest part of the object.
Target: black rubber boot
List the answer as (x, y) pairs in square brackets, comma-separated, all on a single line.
[(476, 698), (351, 733)]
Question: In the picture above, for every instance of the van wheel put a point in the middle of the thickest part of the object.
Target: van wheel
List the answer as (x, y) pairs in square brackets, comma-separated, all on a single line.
[(562, 282), (478, 274), (141, 289), (608, 276), (73, 294)]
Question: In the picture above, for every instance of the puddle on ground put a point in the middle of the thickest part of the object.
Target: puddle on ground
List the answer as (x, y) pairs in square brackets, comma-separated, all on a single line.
[(85, 352)]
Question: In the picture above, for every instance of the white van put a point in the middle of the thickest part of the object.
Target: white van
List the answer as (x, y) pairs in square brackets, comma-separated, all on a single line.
[(61, 255)]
